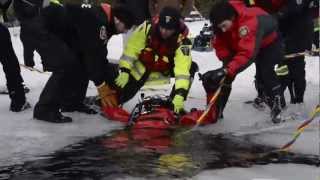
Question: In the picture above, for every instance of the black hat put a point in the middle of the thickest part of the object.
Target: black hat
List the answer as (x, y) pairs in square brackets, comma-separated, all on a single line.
[(124, 15), (169, 18), (221, 10)]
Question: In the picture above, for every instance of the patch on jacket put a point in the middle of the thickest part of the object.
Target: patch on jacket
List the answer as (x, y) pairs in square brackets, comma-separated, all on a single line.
[(103, 33), (185, 50), (243, 31)]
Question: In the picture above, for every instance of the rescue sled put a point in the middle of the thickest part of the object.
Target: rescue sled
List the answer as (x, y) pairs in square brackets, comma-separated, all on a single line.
[(154, 112)]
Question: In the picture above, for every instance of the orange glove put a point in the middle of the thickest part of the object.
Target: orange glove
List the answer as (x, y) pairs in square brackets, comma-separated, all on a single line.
[(108, 96)]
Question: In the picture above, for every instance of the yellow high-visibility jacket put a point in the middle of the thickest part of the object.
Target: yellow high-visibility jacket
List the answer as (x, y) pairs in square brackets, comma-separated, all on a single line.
[(181, 65), (316, 24)]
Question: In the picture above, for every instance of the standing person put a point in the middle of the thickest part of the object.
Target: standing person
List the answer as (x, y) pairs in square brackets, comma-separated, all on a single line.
[(296, 26), (156, 51), (271, 6), (184, 6), (11, 69), (72, 41), (243, 36)]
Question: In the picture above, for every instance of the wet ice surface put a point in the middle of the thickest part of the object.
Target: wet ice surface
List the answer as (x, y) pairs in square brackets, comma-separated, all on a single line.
[(151, 153), (25, 140)]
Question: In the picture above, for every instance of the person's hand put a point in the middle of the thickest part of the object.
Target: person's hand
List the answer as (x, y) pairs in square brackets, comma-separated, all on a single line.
[(122, 79), (108, 96), (178, 103)]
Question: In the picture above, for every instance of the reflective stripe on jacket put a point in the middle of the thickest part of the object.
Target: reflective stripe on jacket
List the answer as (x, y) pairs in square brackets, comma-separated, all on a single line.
[(138, 41)]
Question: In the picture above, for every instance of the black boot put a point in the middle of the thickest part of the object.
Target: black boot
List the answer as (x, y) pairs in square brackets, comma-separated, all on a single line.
[(50, 116), (259, 103), (53, 117), (17, 106), (80, 108), (276, 110), (261, 100), (18, 100)]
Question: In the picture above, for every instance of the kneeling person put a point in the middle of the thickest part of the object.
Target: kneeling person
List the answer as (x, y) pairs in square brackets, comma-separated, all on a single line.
[(156, 51), (72, 41)]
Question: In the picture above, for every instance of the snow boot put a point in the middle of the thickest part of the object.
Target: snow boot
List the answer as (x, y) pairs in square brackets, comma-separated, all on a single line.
[(258, 103), (276, 110), (83, 108), (54, 117), (16, 106), (50, 116), (18, 100)]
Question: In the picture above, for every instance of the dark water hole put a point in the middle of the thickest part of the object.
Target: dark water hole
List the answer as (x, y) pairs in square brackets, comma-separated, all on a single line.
[(151, 154)]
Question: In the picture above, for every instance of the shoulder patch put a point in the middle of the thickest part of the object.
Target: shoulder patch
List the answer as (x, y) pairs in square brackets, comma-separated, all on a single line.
[(243, 31), (185, 50), (103, 33)]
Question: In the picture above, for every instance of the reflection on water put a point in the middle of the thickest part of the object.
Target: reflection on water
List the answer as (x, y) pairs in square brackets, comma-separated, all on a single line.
[(149, 153)]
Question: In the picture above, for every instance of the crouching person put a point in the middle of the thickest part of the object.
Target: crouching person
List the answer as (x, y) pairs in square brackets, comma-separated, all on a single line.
[(155, 52), (72, 42), (243, 36)]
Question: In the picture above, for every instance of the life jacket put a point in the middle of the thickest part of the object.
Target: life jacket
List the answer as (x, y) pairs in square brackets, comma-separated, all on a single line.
[(158, 55)]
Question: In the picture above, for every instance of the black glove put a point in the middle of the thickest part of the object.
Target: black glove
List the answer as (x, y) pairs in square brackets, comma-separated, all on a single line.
[(211, 79)]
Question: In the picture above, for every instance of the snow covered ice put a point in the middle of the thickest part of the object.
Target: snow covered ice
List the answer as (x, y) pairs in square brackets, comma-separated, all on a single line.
[(23, 139)]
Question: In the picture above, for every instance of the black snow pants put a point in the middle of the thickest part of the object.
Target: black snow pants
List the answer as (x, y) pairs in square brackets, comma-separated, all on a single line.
[(68, 82), (298, 36), (11, 66)]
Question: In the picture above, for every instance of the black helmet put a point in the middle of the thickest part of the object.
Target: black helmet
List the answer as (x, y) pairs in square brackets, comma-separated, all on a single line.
[(169, 18)]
